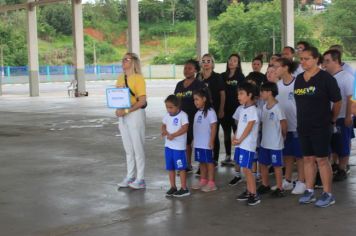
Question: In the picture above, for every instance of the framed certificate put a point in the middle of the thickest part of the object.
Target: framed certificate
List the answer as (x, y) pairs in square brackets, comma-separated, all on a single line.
[(118, 98)]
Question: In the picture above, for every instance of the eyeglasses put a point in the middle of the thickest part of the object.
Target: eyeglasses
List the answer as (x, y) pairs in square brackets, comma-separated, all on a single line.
[(300, 49), (206, 61), (126, 59)]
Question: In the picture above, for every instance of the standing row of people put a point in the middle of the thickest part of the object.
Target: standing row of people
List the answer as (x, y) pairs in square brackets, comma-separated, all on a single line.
[(298, 106)]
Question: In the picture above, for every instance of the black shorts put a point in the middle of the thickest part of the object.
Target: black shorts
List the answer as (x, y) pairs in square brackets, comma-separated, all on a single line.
[(316, 144)]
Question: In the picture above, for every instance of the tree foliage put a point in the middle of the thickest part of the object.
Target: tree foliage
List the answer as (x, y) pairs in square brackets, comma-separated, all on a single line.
[(340, 21), (58, 16), (250, 29), (13, 41)]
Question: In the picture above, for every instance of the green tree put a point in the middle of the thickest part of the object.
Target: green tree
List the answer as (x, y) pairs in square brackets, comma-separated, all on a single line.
[(216, 7), (340, 21), (59, 17), (185, 10), (151, 10), (250, 29), (13, 39)]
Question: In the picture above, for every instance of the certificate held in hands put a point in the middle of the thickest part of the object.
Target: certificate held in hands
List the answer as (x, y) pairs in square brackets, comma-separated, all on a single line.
[(118, 98)]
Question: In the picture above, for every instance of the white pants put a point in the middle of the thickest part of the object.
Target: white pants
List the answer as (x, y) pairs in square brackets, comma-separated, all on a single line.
[(132, 128)]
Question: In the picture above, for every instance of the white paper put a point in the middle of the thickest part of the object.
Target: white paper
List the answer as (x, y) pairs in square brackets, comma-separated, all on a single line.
[(118, 98)]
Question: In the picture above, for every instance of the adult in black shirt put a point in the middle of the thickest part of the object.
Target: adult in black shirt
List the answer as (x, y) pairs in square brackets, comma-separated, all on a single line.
[(232, 77), (256, 76), (216, 87), (314, 90), (184, 90)]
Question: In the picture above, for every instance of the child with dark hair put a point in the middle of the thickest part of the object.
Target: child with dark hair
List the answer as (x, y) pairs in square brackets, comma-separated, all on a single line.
[(274, 129), (245, 140), (204, 130), (174, 129), (292, 151)]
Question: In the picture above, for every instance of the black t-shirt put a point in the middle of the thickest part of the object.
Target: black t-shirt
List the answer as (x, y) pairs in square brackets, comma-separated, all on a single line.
[(313, 100), (186, 96), (215, 84), (231, 85), (257, 77)]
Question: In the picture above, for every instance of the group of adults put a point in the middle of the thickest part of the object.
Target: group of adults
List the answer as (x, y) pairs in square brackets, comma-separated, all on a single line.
[(321, 90)]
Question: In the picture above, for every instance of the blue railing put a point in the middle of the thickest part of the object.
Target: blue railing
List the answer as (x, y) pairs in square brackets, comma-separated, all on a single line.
[(60, 70)]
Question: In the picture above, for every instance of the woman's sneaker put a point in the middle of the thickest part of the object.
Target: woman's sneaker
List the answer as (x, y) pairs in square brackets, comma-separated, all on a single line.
[(299, 188), (253, 200), (209, 187), (200, 184), (171, 191), (278, 193), (125, 183), (287, 185), (227, 161), (340, 175), (243, 196), (138, 184), (181, 193), (325, 200), (308, 197), (235, 181), (263, 189)]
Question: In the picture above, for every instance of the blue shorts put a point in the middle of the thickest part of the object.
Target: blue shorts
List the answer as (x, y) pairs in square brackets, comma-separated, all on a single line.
[(341, 141), (175, 159), (292, 145), (203, 155), (270, 157), (244, 158), (255, 157)]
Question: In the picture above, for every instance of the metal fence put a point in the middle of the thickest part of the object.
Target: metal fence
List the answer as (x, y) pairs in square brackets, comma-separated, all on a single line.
[(19, 74), (8, 71)]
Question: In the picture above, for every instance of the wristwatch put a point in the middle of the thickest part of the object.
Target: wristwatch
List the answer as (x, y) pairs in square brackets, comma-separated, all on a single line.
[(127, 111)]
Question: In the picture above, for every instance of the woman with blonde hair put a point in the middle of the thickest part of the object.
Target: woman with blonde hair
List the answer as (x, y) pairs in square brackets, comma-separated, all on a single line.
[(216, 87), (132, 121)]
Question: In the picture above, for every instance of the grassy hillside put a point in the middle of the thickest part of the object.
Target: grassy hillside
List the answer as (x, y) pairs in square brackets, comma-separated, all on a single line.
[(162, 40)]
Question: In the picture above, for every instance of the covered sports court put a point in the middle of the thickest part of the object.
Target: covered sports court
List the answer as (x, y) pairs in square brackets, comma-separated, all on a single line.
[(61, 158)]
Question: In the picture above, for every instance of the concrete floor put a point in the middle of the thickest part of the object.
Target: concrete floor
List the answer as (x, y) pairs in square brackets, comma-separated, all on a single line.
[(61, 158)]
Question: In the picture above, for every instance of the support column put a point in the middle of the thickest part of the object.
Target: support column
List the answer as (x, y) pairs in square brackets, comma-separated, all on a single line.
[(287, 23), (202, 27), (133, 27), (32, 49), (78, 40)]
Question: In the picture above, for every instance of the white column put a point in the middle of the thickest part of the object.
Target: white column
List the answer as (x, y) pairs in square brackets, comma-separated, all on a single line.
[(202, 33), (78, 40), (32, 48), (287, 23), (133, 27)]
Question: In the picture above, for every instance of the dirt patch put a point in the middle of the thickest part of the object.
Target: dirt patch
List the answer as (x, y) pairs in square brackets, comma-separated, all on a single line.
[(121, 40), (94, 34), (152, 43)]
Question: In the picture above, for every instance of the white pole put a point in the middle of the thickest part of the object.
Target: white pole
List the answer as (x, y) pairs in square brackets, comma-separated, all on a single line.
[(2, 67)]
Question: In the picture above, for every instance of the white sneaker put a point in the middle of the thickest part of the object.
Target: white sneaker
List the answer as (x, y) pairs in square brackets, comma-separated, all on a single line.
[(299, 188), (287, 185), (125, 183), (138, 184)]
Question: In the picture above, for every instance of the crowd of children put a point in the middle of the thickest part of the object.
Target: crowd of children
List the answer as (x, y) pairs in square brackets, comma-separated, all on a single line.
[(294, 115)]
